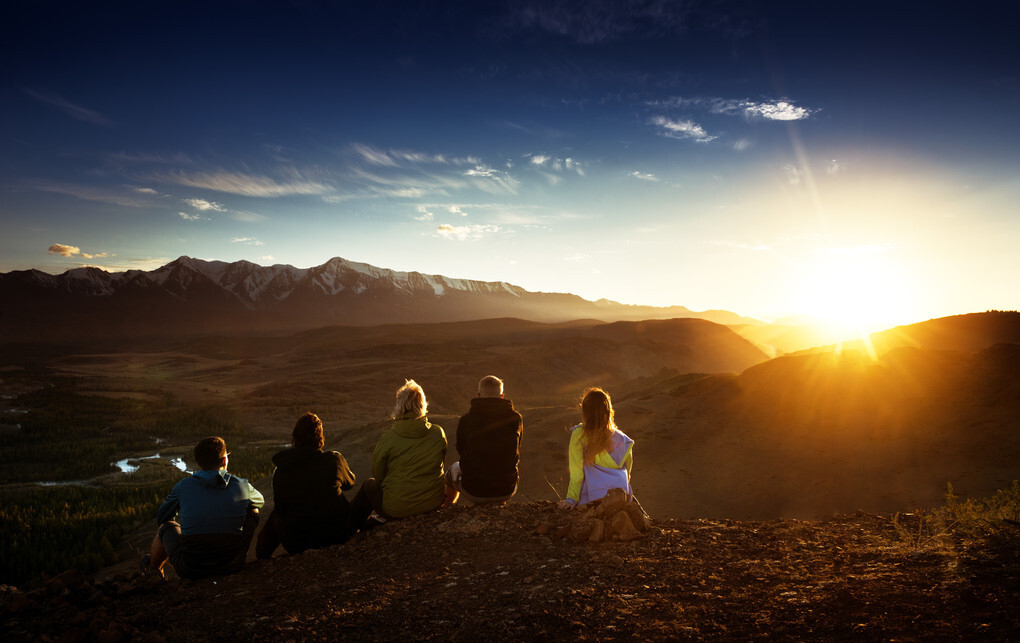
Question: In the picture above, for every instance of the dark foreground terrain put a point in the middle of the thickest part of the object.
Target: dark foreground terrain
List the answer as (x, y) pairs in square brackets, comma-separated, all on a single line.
[(505, 574)]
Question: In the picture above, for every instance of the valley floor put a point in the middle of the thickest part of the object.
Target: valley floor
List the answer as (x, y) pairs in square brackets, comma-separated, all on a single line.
[(501, 574)]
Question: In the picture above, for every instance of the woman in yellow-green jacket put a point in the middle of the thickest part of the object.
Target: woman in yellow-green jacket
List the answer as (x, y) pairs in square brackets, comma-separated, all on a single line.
[(600, 455), (407, 464)]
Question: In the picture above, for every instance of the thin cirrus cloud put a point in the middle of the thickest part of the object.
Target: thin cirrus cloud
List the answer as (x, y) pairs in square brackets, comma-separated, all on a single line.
[(250, 241), (643, 176), (467, 232), (557, 164), (682, 129), (410, 174), (247, 184), (91, 193), (686, 128), (76, 112), (205, 206), (778, 110)]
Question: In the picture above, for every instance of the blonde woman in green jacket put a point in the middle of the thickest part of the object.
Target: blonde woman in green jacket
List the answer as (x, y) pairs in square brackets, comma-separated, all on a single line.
[(407, 465)]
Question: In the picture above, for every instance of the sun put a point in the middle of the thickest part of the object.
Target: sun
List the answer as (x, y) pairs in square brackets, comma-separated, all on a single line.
[(853, 292)]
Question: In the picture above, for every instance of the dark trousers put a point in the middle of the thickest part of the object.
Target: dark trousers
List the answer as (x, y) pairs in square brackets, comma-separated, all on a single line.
[(298, 533), (203, 555), (368, 499)]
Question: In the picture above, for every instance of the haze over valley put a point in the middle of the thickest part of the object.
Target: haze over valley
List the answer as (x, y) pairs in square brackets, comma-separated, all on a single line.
[(723, 428)]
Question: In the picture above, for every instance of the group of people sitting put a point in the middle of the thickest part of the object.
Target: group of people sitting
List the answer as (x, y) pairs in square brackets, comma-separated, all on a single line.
[(219, 512)]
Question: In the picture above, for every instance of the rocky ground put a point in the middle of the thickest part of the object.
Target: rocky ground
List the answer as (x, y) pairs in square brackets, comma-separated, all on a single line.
[(518, 573)]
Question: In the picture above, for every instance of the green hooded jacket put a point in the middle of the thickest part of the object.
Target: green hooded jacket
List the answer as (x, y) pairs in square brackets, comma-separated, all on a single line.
[(408, 463)]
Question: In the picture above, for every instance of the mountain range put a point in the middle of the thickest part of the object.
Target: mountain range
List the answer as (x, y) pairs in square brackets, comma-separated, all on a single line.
[(192, 296)]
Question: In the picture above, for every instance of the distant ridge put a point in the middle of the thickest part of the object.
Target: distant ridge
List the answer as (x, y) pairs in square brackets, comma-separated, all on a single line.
[(192, 296)]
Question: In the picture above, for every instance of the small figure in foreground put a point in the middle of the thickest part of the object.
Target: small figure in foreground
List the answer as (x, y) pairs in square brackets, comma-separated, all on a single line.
[(489, 444), (218, 516), (600, 455), (407, 465), (310, 510)]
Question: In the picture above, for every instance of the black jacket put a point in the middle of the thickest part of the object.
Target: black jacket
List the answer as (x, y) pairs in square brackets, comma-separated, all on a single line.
[(308, 488), (489, 444)]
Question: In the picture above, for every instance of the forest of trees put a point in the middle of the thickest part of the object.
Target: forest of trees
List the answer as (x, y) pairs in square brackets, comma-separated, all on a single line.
[(70, 436)]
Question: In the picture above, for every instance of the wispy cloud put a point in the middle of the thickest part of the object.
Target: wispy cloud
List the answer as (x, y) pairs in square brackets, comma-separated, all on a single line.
[(375, 172), (555, 163), (68, 251), (250, 241), (191, 217), (492, 180), (76, 112), (292, 183), (467, 232), (682, 129), (778, 110), (424, 214), (205, 206), (643, 176), (113, 196)]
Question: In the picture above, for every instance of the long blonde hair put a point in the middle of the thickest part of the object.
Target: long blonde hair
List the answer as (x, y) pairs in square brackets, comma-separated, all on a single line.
[(596, 422)]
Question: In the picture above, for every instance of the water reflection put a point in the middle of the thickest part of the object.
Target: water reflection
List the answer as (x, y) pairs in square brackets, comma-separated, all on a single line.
[(126, 465)]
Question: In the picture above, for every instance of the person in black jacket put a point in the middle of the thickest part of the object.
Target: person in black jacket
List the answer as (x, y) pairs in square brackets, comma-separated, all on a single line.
[(310, 508), (489, 445)]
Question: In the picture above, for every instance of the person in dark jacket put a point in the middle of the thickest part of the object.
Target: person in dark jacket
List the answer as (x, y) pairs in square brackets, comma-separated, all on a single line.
[(310, 508), (489, 444), (218, 516)]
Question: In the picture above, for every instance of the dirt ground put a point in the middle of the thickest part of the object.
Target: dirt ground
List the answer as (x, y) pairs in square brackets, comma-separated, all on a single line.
[(503, 574)]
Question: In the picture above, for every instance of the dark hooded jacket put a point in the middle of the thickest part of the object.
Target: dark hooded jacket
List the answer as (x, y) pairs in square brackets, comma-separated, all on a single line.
[(489, 443), (308, 488)]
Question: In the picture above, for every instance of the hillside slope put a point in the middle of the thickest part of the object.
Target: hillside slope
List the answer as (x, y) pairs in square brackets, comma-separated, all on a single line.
[(502, 574)]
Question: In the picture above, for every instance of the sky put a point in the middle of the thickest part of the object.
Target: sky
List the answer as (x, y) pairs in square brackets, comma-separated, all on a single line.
[(852, 161)]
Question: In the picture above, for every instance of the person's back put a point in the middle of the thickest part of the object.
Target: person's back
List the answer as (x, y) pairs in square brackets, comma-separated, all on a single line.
[(600, 456), (310, 510), (309, 482), (407, 465), (488, 444), (218, 515), (408, 462)]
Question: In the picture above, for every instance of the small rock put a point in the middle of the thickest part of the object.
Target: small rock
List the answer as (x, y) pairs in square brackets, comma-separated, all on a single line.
[(581, 531), (598, 532), (638, 517), (614, 501), (542, 529), (622, 528)]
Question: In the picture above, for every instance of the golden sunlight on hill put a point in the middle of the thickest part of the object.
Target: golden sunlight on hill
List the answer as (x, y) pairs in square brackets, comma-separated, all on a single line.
[(856, 291)]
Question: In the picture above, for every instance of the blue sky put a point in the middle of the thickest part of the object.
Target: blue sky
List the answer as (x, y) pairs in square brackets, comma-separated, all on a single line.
[(848, 160)]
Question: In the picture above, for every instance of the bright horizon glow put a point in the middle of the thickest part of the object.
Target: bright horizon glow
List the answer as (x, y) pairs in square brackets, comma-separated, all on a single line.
[(645, 153)]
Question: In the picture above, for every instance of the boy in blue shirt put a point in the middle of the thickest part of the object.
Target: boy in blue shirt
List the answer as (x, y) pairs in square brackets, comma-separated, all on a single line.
[(218, 516)]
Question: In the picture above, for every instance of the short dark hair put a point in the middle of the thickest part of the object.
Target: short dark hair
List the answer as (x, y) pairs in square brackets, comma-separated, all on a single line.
[(308, 432), (210, 452)]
